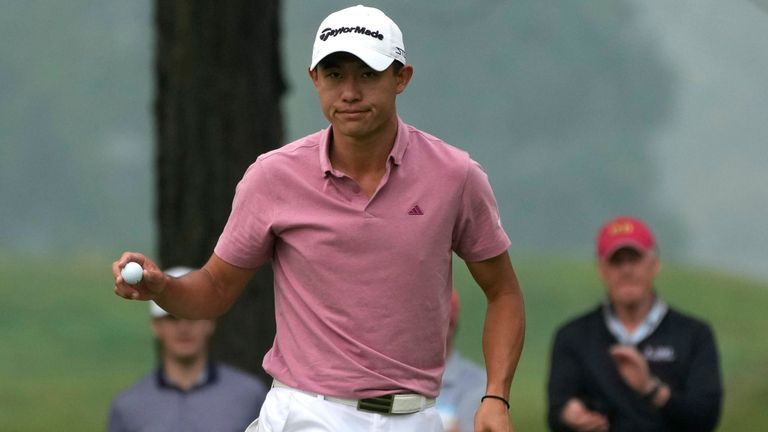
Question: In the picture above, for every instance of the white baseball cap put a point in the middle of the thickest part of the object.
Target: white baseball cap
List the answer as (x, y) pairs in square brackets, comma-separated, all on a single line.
[(155, 311), (365, 32)]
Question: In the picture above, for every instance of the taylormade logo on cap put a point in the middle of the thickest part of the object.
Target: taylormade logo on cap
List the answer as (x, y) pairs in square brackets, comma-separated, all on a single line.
[(364, 32), (326, 33)]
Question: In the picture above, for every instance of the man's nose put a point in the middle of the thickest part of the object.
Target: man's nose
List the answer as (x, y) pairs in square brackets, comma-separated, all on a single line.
[(350, 89)]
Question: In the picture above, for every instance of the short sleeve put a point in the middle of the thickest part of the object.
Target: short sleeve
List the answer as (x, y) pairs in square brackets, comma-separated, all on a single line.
[(247, 239), (478, 234)]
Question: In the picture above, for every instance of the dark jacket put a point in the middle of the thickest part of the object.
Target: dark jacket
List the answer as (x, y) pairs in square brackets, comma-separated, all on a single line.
[(681, 352)]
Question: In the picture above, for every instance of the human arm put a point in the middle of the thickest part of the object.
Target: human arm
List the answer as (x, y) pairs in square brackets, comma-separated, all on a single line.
[(578, 417), (567, 411), (633, 369), (696, 404), (200, 294), (503, 336)]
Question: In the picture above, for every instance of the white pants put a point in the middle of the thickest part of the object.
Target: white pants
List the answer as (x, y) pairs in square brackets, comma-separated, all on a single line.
[(289, 410)]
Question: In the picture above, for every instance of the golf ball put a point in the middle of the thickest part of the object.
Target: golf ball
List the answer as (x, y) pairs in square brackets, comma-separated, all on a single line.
[(132, 273)]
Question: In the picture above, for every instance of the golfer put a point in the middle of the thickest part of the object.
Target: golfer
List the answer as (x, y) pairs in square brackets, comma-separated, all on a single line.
[(359, 222)]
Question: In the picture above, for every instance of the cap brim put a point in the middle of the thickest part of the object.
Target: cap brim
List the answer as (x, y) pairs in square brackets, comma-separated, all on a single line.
[(156, 311), (374, 59), (627, 243)]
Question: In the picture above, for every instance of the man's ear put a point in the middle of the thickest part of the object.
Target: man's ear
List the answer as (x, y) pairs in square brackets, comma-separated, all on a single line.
[(657, 265), (602, 265), (313, 76), (404, 76)]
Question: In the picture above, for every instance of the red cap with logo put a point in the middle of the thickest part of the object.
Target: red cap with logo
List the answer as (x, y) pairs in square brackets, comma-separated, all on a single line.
[(624, 231)]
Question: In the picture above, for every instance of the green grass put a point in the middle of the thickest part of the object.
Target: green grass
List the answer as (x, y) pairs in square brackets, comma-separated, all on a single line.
[(69, 344)]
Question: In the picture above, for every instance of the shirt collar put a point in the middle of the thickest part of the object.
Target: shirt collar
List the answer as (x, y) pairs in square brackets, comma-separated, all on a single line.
[(209, 376), (650, 323), (325, 146), (401, 143), (396, 155)]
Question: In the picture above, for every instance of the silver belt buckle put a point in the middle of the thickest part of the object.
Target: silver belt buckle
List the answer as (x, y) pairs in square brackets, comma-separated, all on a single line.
[(381, 404)]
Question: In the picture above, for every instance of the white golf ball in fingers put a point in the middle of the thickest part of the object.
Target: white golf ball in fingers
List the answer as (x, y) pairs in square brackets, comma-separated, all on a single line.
[(132, 273)]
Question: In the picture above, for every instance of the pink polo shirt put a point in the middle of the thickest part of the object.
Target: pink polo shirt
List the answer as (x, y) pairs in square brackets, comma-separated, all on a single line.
[(362, 286)]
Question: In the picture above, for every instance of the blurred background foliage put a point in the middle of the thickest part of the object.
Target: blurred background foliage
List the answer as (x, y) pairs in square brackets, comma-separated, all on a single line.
[(577, 110)]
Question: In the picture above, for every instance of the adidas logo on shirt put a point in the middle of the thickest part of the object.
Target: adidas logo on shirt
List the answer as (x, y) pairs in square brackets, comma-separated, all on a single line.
[(415, 211)]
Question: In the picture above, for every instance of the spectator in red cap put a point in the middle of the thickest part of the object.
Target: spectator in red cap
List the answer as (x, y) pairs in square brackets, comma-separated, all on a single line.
[(633, 363)]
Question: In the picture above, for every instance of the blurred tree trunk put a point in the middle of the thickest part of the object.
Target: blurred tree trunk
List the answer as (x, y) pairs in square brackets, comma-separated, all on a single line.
[(218, 86)]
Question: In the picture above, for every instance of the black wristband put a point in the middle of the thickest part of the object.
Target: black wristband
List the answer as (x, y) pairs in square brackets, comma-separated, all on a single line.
[(495, 397)]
